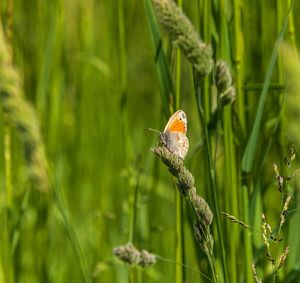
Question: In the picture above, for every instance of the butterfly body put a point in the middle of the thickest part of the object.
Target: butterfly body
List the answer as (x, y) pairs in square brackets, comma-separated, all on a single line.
[(174, 135)]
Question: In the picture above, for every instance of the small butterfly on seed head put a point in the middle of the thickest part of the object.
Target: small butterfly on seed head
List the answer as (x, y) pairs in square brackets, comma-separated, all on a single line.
[(174, 135)]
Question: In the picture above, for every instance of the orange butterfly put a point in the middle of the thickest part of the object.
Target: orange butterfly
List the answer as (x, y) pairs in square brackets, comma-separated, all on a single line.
[(174, 135)]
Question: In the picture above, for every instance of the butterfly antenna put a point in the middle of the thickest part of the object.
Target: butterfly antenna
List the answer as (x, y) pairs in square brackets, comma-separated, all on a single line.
[(154, 130)]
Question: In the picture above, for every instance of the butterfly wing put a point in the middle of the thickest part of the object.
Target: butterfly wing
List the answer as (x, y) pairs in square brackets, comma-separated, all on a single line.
[(174, 135), (176, 142), (177, 123)]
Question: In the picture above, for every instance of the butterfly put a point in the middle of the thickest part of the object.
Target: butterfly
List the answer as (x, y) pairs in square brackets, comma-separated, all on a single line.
[(174, 135)]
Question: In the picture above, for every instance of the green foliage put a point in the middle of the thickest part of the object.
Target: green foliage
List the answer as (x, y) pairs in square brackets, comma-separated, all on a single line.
[(80, 83)]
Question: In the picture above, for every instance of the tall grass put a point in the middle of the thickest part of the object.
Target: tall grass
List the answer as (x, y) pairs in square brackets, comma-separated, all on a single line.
[(96, 75)]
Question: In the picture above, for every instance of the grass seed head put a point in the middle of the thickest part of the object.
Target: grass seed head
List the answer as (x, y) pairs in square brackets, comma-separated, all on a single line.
[(223, 81), (228, 96), (283, 257), (146, 259), (201, 207), (266, 231), (222, 76), (186, 180), (235, 220), (275, 168), (23, 117), (183, 35), (176, 167), (203, 237), (256, 278), (173, 162), (291, 156), (129, 254), (285, 209)]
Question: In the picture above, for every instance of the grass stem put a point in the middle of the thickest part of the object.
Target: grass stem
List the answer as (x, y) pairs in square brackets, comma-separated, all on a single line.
[(211, 172)]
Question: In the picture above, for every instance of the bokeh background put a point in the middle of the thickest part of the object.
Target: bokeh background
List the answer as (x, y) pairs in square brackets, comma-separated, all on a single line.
[(89, 70)]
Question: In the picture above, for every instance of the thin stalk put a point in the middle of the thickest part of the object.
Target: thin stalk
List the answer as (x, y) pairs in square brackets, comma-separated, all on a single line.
[(211, 261), (123, 79), (230, 180), (247, 236), (207, 38), (212, 180), (281, 132), (133, 213), (237, 61), (229, 154), (210, 255), (179, 274), (280, 77), (231, 187), (204, 11), (215, 202), (178, 79), (178, 71)]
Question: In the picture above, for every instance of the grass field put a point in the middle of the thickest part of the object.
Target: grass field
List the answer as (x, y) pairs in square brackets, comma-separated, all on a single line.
[(80, 84)]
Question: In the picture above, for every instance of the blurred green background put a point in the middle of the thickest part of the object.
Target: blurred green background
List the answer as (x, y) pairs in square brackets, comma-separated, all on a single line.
[(89, 70)]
